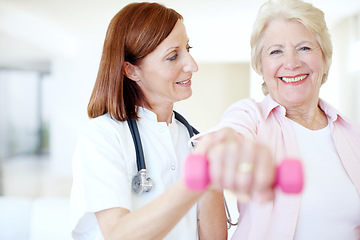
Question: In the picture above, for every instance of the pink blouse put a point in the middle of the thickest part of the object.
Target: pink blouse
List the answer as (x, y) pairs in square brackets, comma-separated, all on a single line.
[(266, 122)]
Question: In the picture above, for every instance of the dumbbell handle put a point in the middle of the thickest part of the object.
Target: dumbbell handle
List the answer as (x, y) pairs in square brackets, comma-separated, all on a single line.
[(289, 174)]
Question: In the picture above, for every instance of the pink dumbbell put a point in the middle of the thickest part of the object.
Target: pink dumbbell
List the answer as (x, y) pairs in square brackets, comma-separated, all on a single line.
[(289, 174)]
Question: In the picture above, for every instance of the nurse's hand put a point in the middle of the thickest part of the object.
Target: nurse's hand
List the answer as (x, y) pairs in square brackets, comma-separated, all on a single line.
[(239, 165)]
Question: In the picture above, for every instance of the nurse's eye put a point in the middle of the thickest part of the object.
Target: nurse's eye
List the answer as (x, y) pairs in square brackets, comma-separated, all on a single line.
[(172, 57), (188, 48)]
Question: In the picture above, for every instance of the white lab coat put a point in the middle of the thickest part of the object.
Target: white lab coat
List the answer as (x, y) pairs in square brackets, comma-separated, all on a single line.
[(105, 162)]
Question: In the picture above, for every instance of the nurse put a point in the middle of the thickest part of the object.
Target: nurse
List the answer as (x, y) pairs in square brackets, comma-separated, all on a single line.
[(145, 68)]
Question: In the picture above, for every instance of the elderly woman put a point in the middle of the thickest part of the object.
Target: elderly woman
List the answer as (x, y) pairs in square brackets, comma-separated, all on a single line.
[(292, 50)]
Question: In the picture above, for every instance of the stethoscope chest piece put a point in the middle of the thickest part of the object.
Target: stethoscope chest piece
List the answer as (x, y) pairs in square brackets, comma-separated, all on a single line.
[(140, 183)]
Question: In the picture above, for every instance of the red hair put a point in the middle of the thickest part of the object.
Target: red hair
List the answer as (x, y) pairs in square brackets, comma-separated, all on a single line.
[(134, 32)]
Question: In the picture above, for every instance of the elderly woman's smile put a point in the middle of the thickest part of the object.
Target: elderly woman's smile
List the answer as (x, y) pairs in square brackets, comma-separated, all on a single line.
[(294, 79)]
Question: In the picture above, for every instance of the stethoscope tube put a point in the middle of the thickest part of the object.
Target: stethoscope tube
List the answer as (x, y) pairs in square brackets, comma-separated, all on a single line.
[(140, 160)]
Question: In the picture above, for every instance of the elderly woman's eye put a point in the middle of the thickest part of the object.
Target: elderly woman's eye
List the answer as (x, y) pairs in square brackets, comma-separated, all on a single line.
[(275, 52), (305, 48)]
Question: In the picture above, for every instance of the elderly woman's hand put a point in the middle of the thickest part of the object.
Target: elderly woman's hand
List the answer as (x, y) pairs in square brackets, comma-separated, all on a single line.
[(238, 164)]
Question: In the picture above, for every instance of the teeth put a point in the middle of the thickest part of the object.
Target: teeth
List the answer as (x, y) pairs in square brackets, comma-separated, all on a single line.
[(295, 79), (184, 82)]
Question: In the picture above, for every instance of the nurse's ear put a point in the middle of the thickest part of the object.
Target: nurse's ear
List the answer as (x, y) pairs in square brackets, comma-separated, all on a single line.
[(131, 71)]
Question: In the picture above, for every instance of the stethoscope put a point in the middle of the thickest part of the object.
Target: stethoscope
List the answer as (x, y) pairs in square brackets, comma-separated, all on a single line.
[(140, 182)]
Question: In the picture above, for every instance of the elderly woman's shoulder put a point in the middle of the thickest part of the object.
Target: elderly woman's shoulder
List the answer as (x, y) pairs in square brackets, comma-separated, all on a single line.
[(349, 124), (247, 104), (355, 125)]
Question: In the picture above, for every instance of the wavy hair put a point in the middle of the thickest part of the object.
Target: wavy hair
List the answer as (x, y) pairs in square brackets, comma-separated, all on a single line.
[(311, 17)]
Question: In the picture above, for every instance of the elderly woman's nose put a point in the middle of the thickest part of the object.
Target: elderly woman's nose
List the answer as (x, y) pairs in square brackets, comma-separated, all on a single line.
[(291, 61)]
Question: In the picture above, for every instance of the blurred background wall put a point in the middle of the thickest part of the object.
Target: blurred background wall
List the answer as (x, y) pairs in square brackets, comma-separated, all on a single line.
[(49, 56)]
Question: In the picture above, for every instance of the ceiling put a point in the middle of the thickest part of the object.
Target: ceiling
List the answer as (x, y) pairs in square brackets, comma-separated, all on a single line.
[(33, 32)]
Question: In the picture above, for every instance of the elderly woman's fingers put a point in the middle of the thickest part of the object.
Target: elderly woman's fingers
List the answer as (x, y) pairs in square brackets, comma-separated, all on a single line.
[(216, 163), (207, 142), (245, 171), (223, 158), (215, 145), (238, 164), (264, 175)]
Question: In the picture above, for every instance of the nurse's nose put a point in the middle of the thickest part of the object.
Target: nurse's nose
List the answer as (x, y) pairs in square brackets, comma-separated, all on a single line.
[(190, 64)]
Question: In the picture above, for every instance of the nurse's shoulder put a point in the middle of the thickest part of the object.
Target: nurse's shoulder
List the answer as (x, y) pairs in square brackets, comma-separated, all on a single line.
[(104, 127)]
